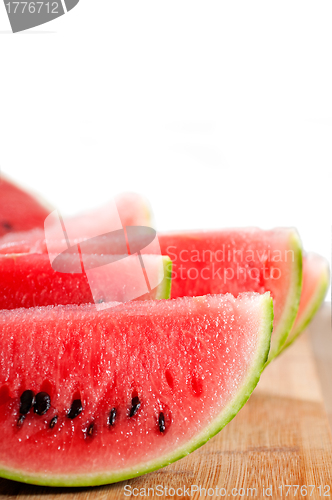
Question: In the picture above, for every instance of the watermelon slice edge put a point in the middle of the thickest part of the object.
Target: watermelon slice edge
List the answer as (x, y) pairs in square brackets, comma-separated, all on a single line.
[(293, 298), (316, 281)]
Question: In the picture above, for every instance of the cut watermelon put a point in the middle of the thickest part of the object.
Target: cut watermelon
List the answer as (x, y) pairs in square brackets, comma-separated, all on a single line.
[(19, 210), (132, 208), (28, 280), (316, 280), (239, 260), (234, 261), (91, 397)]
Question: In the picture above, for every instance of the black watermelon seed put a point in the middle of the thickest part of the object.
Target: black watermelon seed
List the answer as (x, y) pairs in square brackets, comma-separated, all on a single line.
[(20, 420), (135, 406), (112, 416), (53, 421), (7, 225), (161, 422), (75, 409), (90, 429), (27, 400), (42, 403)]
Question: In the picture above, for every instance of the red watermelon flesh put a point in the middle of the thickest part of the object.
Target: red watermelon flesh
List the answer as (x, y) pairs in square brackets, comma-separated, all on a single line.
[(155, 380), (28, 280), (132, 208), (316, 280), (19, 210), (238, 260)]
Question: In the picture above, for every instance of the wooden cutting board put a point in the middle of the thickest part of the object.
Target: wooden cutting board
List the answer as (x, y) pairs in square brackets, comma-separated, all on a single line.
[(280, 437)]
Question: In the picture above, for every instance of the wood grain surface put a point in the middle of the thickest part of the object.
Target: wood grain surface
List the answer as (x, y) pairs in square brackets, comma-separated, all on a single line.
[(280, 437)]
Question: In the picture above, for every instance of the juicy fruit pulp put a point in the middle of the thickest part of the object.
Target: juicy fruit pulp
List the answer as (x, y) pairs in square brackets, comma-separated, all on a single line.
[(19, 210), (239, 260), (131, 388), (28, 280)]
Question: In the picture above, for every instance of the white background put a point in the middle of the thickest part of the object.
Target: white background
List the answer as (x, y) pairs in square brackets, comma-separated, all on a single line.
[(219, 112)]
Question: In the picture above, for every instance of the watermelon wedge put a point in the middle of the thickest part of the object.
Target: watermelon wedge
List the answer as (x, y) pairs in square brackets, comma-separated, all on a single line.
[(19, 210), (316, 280), (132, 208), (28, 280), (91, 397), (239, 260)]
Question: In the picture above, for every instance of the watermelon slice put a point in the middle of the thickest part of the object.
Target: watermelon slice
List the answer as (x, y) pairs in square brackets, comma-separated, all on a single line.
[(28, 280), (19, 210), (239, 260), (132, 208), (316, 280), (91, 397)]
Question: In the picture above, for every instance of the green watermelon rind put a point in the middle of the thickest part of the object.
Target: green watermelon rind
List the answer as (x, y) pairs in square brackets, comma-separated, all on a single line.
[(164, 288), (314, 305), (227, 414), (279, 337)]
